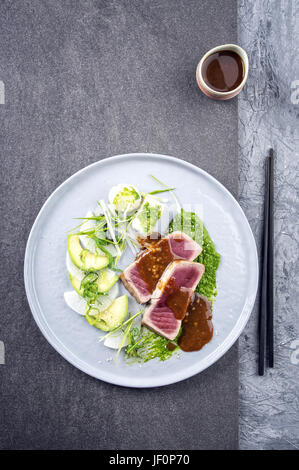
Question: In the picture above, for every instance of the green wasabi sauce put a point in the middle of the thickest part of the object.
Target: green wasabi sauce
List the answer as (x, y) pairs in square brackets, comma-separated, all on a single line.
[(210, 258)]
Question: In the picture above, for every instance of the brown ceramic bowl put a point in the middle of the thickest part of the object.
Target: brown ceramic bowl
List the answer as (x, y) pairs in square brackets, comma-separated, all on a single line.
[(219, 95)]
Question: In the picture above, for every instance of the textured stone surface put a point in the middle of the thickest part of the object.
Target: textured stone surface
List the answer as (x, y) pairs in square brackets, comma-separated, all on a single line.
[(268, 117), (85, 80)]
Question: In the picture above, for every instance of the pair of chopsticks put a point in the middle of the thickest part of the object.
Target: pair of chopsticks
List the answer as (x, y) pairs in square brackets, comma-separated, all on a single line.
[(266, 331)]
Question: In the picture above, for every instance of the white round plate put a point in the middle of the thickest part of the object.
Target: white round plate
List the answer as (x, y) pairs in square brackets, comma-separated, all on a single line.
[(46, 278)]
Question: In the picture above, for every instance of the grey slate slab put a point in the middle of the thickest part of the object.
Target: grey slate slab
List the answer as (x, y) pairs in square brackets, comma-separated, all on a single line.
[(269, 117), (85, 80)]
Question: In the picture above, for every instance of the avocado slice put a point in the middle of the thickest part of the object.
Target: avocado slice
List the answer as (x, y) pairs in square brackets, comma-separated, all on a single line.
[(105, 281), (112, 317), (85, 259)]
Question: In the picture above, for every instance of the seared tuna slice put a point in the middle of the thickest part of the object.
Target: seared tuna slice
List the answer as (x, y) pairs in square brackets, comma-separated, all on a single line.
[(134, 283), (171, 298), (141, 277), (183, 247)]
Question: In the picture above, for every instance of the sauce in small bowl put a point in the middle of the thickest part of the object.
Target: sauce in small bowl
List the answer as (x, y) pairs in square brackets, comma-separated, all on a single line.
[(222, 72)]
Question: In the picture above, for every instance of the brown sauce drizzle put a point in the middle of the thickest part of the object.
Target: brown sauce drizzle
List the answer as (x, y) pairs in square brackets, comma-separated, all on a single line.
[(152, 262), (197, 326), (171, 346), (177, 298), (150, 240)]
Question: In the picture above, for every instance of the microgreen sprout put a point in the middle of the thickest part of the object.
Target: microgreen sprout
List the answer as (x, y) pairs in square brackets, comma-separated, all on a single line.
[(120, 327)]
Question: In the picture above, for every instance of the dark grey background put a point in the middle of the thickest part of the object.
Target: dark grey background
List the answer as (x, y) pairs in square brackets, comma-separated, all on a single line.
[(85, 80)]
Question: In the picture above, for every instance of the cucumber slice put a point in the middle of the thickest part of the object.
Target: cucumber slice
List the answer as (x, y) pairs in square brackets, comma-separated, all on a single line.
[(83, 258), (107, 278), (105, 281), (112, 317), (76, 283), (72, 269)]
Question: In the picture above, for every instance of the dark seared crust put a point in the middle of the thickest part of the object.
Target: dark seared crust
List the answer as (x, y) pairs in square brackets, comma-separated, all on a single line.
[(130, 287)]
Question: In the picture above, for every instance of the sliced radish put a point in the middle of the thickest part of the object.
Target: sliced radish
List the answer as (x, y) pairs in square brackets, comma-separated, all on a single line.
[(79, 305), (105, 300), (75, 302), (88, 243), (115, 340)]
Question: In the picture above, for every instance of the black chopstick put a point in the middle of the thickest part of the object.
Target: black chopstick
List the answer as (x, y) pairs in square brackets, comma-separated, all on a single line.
[(266, 312), (270, 331), (264, 276)]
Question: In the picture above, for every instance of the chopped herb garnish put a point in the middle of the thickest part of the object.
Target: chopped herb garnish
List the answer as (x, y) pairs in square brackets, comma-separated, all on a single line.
[(145, 345)]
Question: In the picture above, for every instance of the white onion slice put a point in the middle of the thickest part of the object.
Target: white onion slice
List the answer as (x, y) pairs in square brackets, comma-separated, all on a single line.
[(115, 340)]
